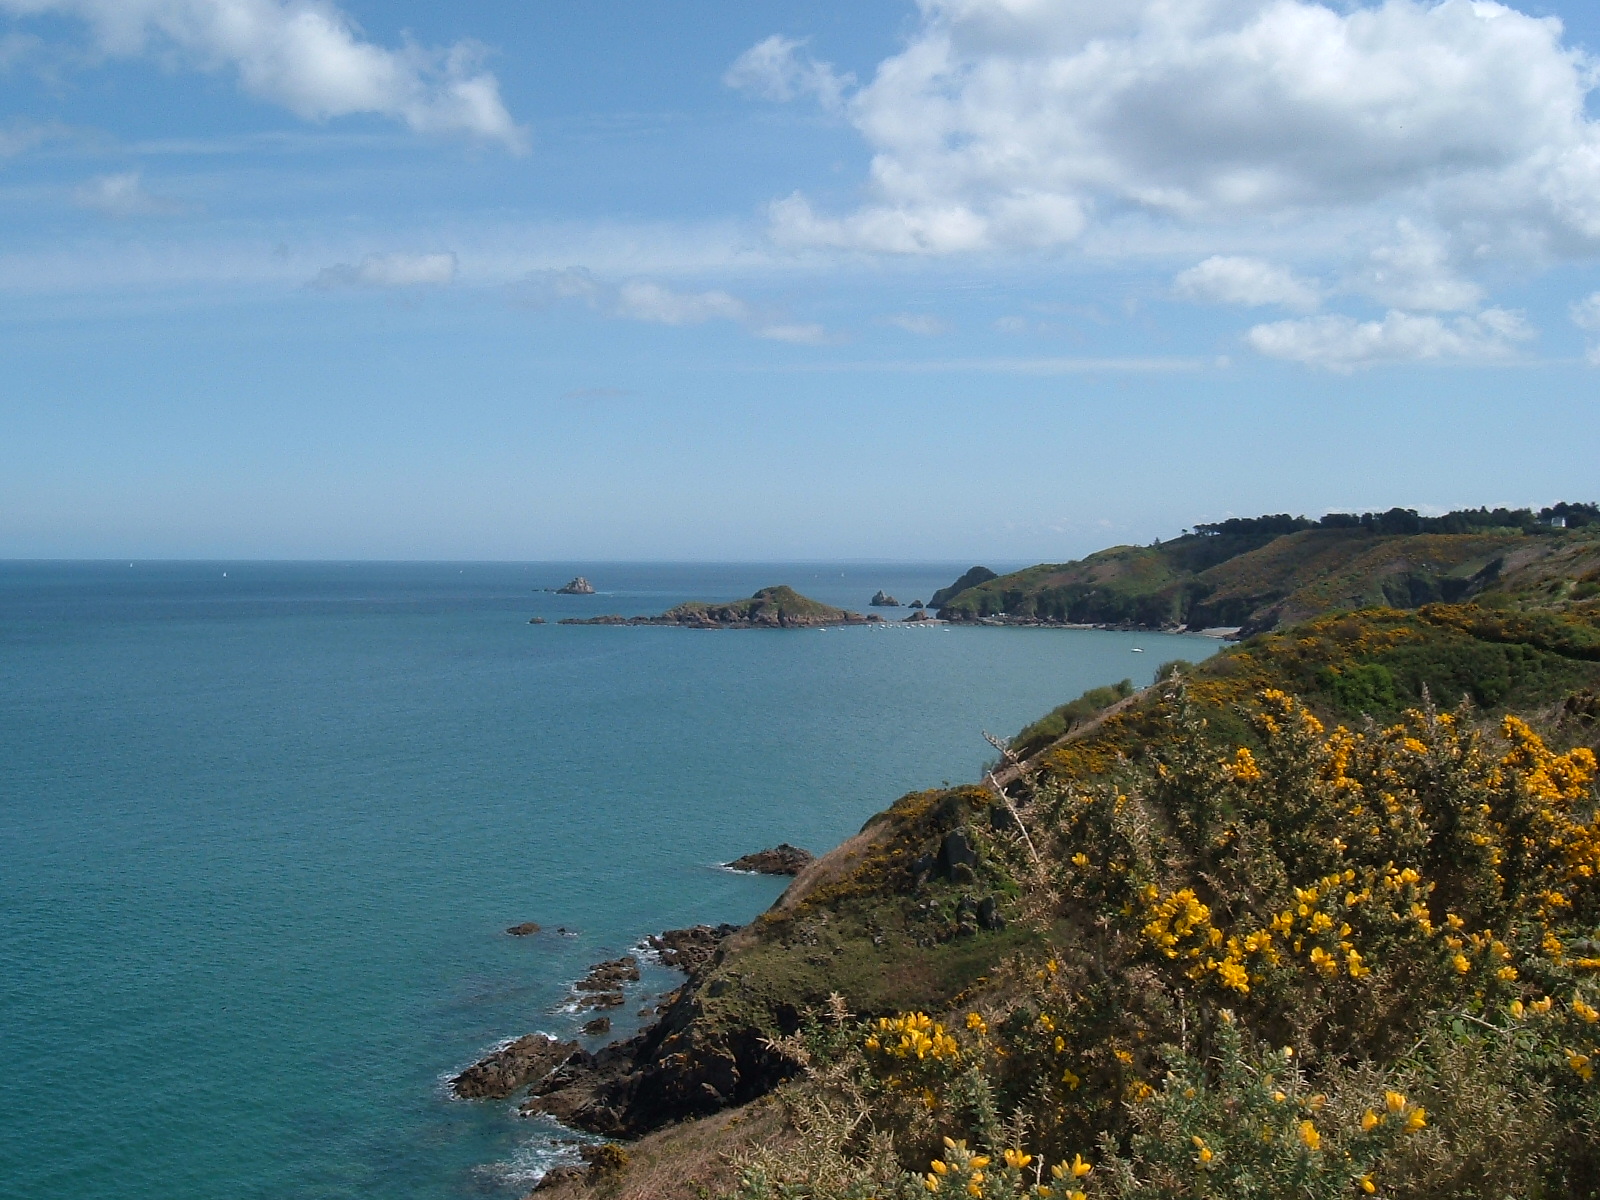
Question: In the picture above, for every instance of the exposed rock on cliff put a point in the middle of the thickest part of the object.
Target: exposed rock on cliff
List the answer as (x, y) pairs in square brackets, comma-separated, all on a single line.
[(688, 950), (782, 859)]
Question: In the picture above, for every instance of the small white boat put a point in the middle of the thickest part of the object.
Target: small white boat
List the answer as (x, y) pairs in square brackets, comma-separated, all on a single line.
[(1138, 649)]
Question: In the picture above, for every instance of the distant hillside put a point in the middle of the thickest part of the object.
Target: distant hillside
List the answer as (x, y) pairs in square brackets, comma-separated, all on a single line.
[(1270, 571)]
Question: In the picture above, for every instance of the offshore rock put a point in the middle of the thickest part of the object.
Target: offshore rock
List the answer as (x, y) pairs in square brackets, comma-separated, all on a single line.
[(526, 1060), (526, 929), (578, 587), (884, 600), (602, 986), (782, 859), (771, 608)]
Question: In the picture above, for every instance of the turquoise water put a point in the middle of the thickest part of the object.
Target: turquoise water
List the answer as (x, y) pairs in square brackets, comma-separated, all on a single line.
[(261, 827)]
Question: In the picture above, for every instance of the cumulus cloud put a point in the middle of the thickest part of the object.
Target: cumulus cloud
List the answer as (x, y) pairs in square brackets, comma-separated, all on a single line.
[(1226, 279), (1416, 272), (123, 195), (389, 271), (306, 55), (1011, 124), (921, 324), (1340, 343), (774, 69)]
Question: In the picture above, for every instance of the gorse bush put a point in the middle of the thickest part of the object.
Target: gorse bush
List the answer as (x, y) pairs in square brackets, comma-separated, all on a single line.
[(1288, 961)]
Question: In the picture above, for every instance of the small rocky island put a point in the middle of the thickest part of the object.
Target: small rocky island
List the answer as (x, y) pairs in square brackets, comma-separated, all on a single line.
[(578, 587), (770, 608), (782, 859), (882, 599)]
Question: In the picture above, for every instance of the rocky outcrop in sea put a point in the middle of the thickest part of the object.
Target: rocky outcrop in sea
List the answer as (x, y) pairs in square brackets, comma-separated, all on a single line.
[(782, 859), (578, 587)]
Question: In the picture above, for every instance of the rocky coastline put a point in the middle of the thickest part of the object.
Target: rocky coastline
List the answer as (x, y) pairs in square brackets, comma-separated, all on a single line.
[(664, 1073)]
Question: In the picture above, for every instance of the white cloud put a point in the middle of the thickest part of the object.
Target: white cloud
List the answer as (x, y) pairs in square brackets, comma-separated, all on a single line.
[(795, 335), (921, 324), (773, 70), (1585, 315), (646, 300), (1416, 272), (1226, 279), (306, 55), (18, 137), (1586, 312), (1013, 124), (389, 271), (642, 301), (1341, 343), (124, 195)]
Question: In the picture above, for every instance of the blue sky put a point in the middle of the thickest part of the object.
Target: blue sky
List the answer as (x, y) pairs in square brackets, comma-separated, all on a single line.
[(964, 279)]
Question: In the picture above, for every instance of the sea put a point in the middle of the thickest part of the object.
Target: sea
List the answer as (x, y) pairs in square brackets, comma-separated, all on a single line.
[(263, 827)]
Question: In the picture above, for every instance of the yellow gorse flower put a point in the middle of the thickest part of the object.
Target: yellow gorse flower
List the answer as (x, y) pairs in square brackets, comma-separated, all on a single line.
[(913, 1035), (1310, 1136)]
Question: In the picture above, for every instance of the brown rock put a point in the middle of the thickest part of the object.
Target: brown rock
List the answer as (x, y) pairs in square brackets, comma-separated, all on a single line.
[(526, 929), (687, 950), (782, 859), (597, 1026), (526, 1060)]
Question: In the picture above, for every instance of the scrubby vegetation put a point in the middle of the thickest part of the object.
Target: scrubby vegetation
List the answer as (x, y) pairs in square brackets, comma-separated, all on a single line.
[(1317, 962)]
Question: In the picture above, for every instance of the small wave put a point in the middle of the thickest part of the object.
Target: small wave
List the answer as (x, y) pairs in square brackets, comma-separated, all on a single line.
[(553, 1146)]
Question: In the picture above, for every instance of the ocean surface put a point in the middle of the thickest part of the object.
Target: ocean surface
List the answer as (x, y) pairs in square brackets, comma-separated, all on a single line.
[(262, 826)]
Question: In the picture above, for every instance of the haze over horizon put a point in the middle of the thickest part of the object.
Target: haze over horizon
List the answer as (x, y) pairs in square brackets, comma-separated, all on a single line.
[(955, 280)]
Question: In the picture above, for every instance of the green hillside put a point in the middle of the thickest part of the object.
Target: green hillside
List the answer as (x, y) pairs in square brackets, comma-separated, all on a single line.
[(1276, 570)]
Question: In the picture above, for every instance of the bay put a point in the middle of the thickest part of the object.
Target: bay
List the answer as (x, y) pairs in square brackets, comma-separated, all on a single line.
[(262, 826)]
